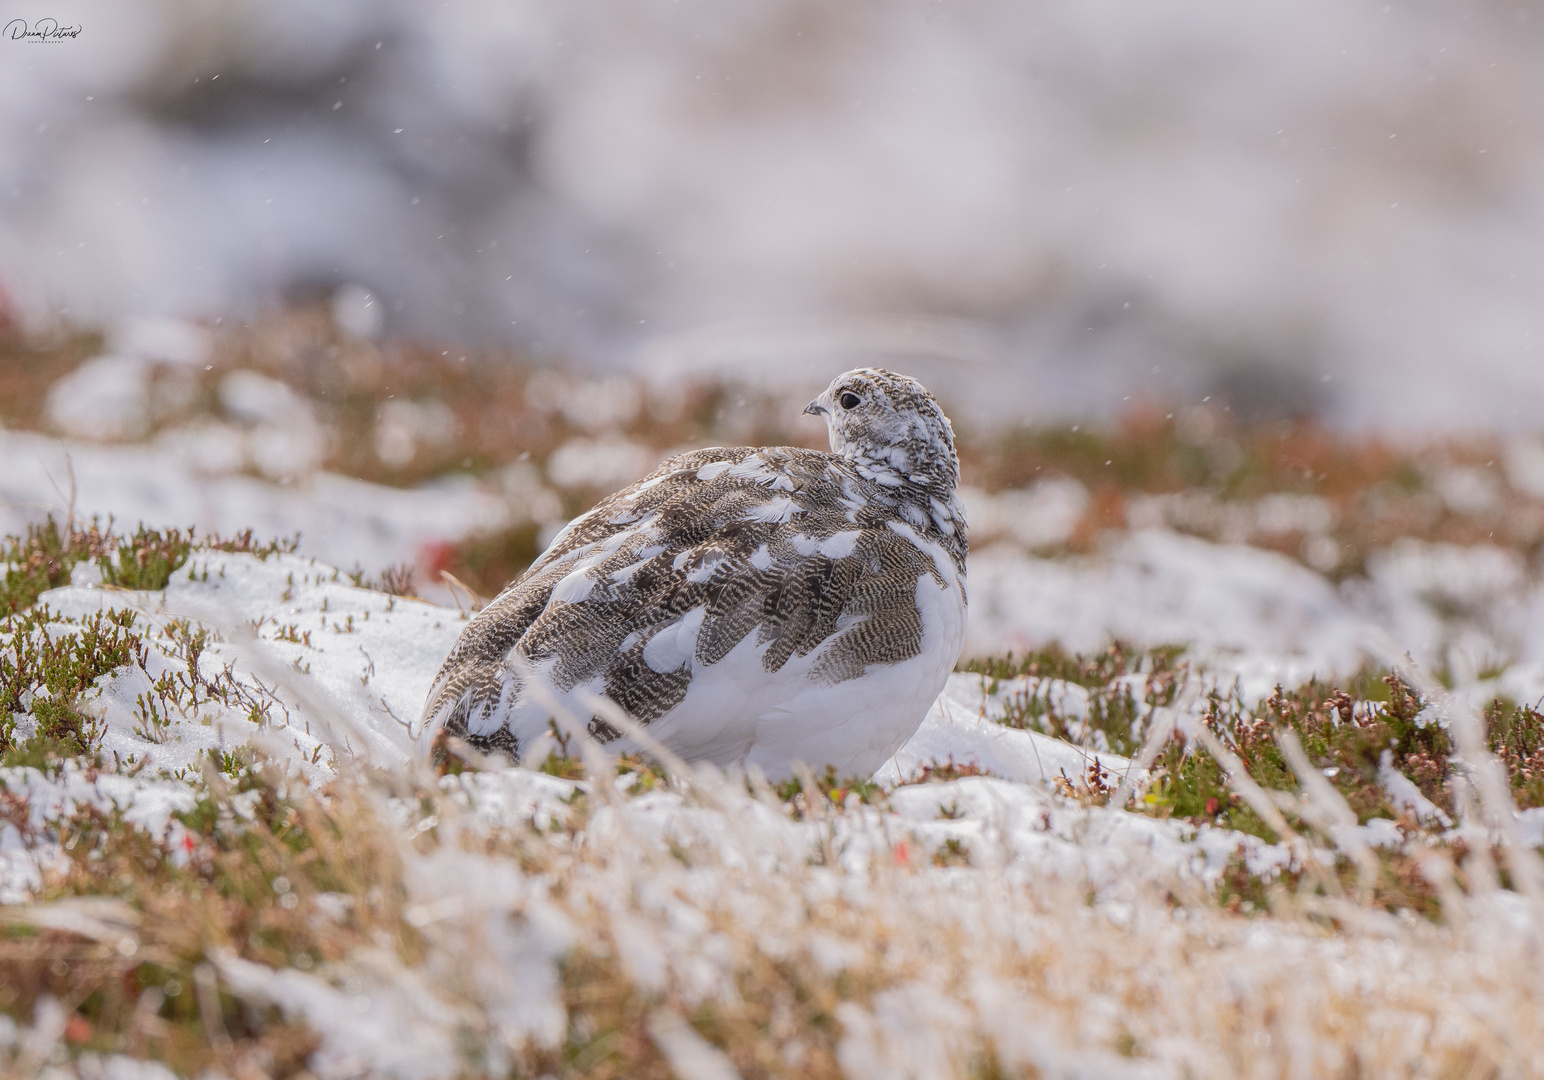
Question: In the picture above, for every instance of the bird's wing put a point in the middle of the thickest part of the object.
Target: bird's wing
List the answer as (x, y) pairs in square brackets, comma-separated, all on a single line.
[(683, 565)]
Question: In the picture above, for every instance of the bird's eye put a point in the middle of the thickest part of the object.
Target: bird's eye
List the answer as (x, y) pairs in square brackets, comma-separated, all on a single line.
[(849, 400)]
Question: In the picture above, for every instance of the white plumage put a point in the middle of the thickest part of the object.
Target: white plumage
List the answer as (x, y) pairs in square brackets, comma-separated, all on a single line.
[(751, 606)]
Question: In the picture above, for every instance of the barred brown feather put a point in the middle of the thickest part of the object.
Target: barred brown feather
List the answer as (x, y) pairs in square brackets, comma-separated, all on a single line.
[(799, 551)]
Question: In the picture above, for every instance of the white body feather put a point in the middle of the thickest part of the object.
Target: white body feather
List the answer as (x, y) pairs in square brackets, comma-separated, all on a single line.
[(736, 712), (756, 607)]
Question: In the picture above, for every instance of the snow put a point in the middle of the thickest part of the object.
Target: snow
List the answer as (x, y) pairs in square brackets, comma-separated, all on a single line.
[(107, 397), (1045, 514), (1259, 617), (328, 679), (383, 1027), (344, 671), (340, 673), (1243, 610), (607, 463), (190, 478), (369, 659), (963, 727)]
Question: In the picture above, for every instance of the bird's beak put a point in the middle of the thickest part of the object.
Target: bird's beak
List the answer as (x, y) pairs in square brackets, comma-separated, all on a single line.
[(815, 408)]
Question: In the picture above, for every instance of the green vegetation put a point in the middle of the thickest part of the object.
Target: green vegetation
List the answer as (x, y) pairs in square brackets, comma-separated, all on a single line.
[(146, 559), (44, 672), (828, 787), (48, 661), (43, 560), (1354, 735), (46, 556), (1124, 685)]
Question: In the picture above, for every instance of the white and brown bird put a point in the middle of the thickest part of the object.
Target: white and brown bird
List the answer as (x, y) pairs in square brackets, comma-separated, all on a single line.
[(751, 606)]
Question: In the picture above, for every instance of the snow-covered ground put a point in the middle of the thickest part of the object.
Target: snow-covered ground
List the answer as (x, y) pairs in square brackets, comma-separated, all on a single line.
[(1053, 946), (1246, 610), (340, 672), (183, 482), (989, 903)]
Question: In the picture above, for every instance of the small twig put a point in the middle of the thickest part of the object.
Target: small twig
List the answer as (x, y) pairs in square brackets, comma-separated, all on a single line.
[(474, 602)]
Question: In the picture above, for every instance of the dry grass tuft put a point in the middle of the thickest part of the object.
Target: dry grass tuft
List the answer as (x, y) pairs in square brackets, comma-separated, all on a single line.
[(799, 938)]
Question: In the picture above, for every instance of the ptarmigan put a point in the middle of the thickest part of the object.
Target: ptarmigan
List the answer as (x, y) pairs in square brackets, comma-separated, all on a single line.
[(752, 606)]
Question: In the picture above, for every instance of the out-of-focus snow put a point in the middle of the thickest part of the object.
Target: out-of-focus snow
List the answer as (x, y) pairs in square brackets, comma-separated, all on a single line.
[(404, 426), (1244, 610), (1234, 521), (1257, 614), (1290, 204), (169, 484), (405, 1031), (1524, 463), (1043, 515), (107, 397), (606, 463)]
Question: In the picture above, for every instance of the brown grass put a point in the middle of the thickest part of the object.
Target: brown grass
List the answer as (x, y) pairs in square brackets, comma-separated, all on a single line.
[(953, 964)]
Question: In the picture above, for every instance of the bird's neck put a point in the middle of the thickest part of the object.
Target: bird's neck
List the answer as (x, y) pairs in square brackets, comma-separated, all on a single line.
[(909, 464), (924, 488)]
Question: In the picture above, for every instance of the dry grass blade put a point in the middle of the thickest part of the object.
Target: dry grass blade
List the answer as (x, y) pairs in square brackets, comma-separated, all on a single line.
[(1325, 807), (689, 1055), (1484, 773), (1165, 720)]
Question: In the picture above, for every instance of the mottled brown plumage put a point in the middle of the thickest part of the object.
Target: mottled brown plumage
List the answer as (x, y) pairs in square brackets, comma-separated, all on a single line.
[(814, 558)]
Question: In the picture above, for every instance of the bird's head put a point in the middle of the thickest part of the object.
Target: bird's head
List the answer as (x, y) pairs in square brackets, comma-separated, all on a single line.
[(889, 425)]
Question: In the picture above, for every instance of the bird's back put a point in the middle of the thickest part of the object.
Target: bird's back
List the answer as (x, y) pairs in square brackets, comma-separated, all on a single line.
[(733, 599)]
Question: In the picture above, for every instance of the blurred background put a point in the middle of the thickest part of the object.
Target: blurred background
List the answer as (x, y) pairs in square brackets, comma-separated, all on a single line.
[(1332, 209)]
